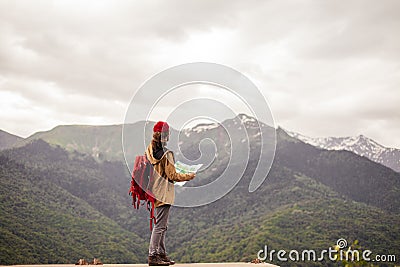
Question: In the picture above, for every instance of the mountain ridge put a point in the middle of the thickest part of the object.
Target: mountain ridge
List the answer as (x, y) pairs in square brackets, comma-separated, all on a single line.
[(104, 142), (8, 140), (298, 206), (360, 144)]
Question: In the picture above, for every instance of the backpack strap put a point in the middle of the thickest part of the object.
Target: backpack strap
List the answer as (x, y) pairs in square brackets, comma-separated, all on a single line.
[(150, 207), (150, 199)]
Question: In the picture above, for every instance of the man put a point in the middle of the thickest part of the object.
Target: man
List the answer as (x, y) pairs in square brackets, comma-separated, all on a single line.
[(163, 190)]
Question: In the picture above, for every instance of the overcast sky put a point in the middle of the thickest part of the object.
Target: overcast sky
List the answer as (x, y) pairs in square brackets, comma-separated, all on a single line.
[(327, 68)]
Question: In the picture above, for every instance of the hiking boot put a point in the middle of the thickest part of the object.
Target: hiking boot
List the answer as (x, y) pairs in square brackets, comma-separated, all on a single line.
[(165, 258), (157, 261)]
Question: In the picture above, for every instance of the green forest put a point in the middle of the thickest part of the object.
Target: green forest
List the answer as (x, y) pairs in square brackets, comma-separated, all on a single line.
[(59, 205)]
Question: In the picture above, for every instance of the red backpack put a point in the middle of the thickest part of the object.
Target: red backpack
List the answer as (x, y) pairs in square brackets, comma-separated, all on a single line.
[(141, 175)]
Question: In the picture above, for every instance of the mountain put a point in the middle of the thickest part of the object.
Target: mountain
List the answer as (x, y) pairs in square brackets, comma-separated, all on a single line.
[(101, 142), (361, 145), (8, 140), (105, 142), (351, 175), (58, 207), (311, 198), (356, 177)]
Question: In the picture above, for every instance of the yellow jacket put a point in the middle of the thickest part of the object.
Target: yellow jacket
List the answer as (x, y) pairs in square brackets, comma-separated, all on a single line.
[(164, 176)]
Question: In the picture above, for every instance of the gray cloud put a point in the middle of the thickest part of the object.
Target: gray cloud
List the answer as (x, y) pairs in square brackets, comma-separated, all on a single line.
[(325, 67)]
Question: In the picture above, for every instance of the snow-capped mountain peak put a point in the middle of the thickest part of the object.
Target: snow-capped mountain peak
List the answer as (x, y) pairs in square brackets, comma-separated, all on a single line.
[(248, 121), (359, 144), (204, 126), (246, 118)]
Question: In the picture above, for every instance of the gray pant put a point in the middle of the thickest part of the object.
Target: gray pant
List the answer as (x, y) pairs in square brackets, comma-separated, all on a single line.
[(157, 240)]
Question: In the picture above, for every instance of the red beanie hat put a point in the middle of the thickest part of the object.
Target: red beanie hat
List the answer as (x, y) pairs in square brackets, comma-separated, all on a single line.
[(161, 127)]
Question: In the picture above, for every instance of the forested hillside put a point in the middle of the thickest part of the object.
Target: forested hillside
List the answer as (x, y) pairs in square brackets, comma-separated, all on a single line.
[(58, 206)]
